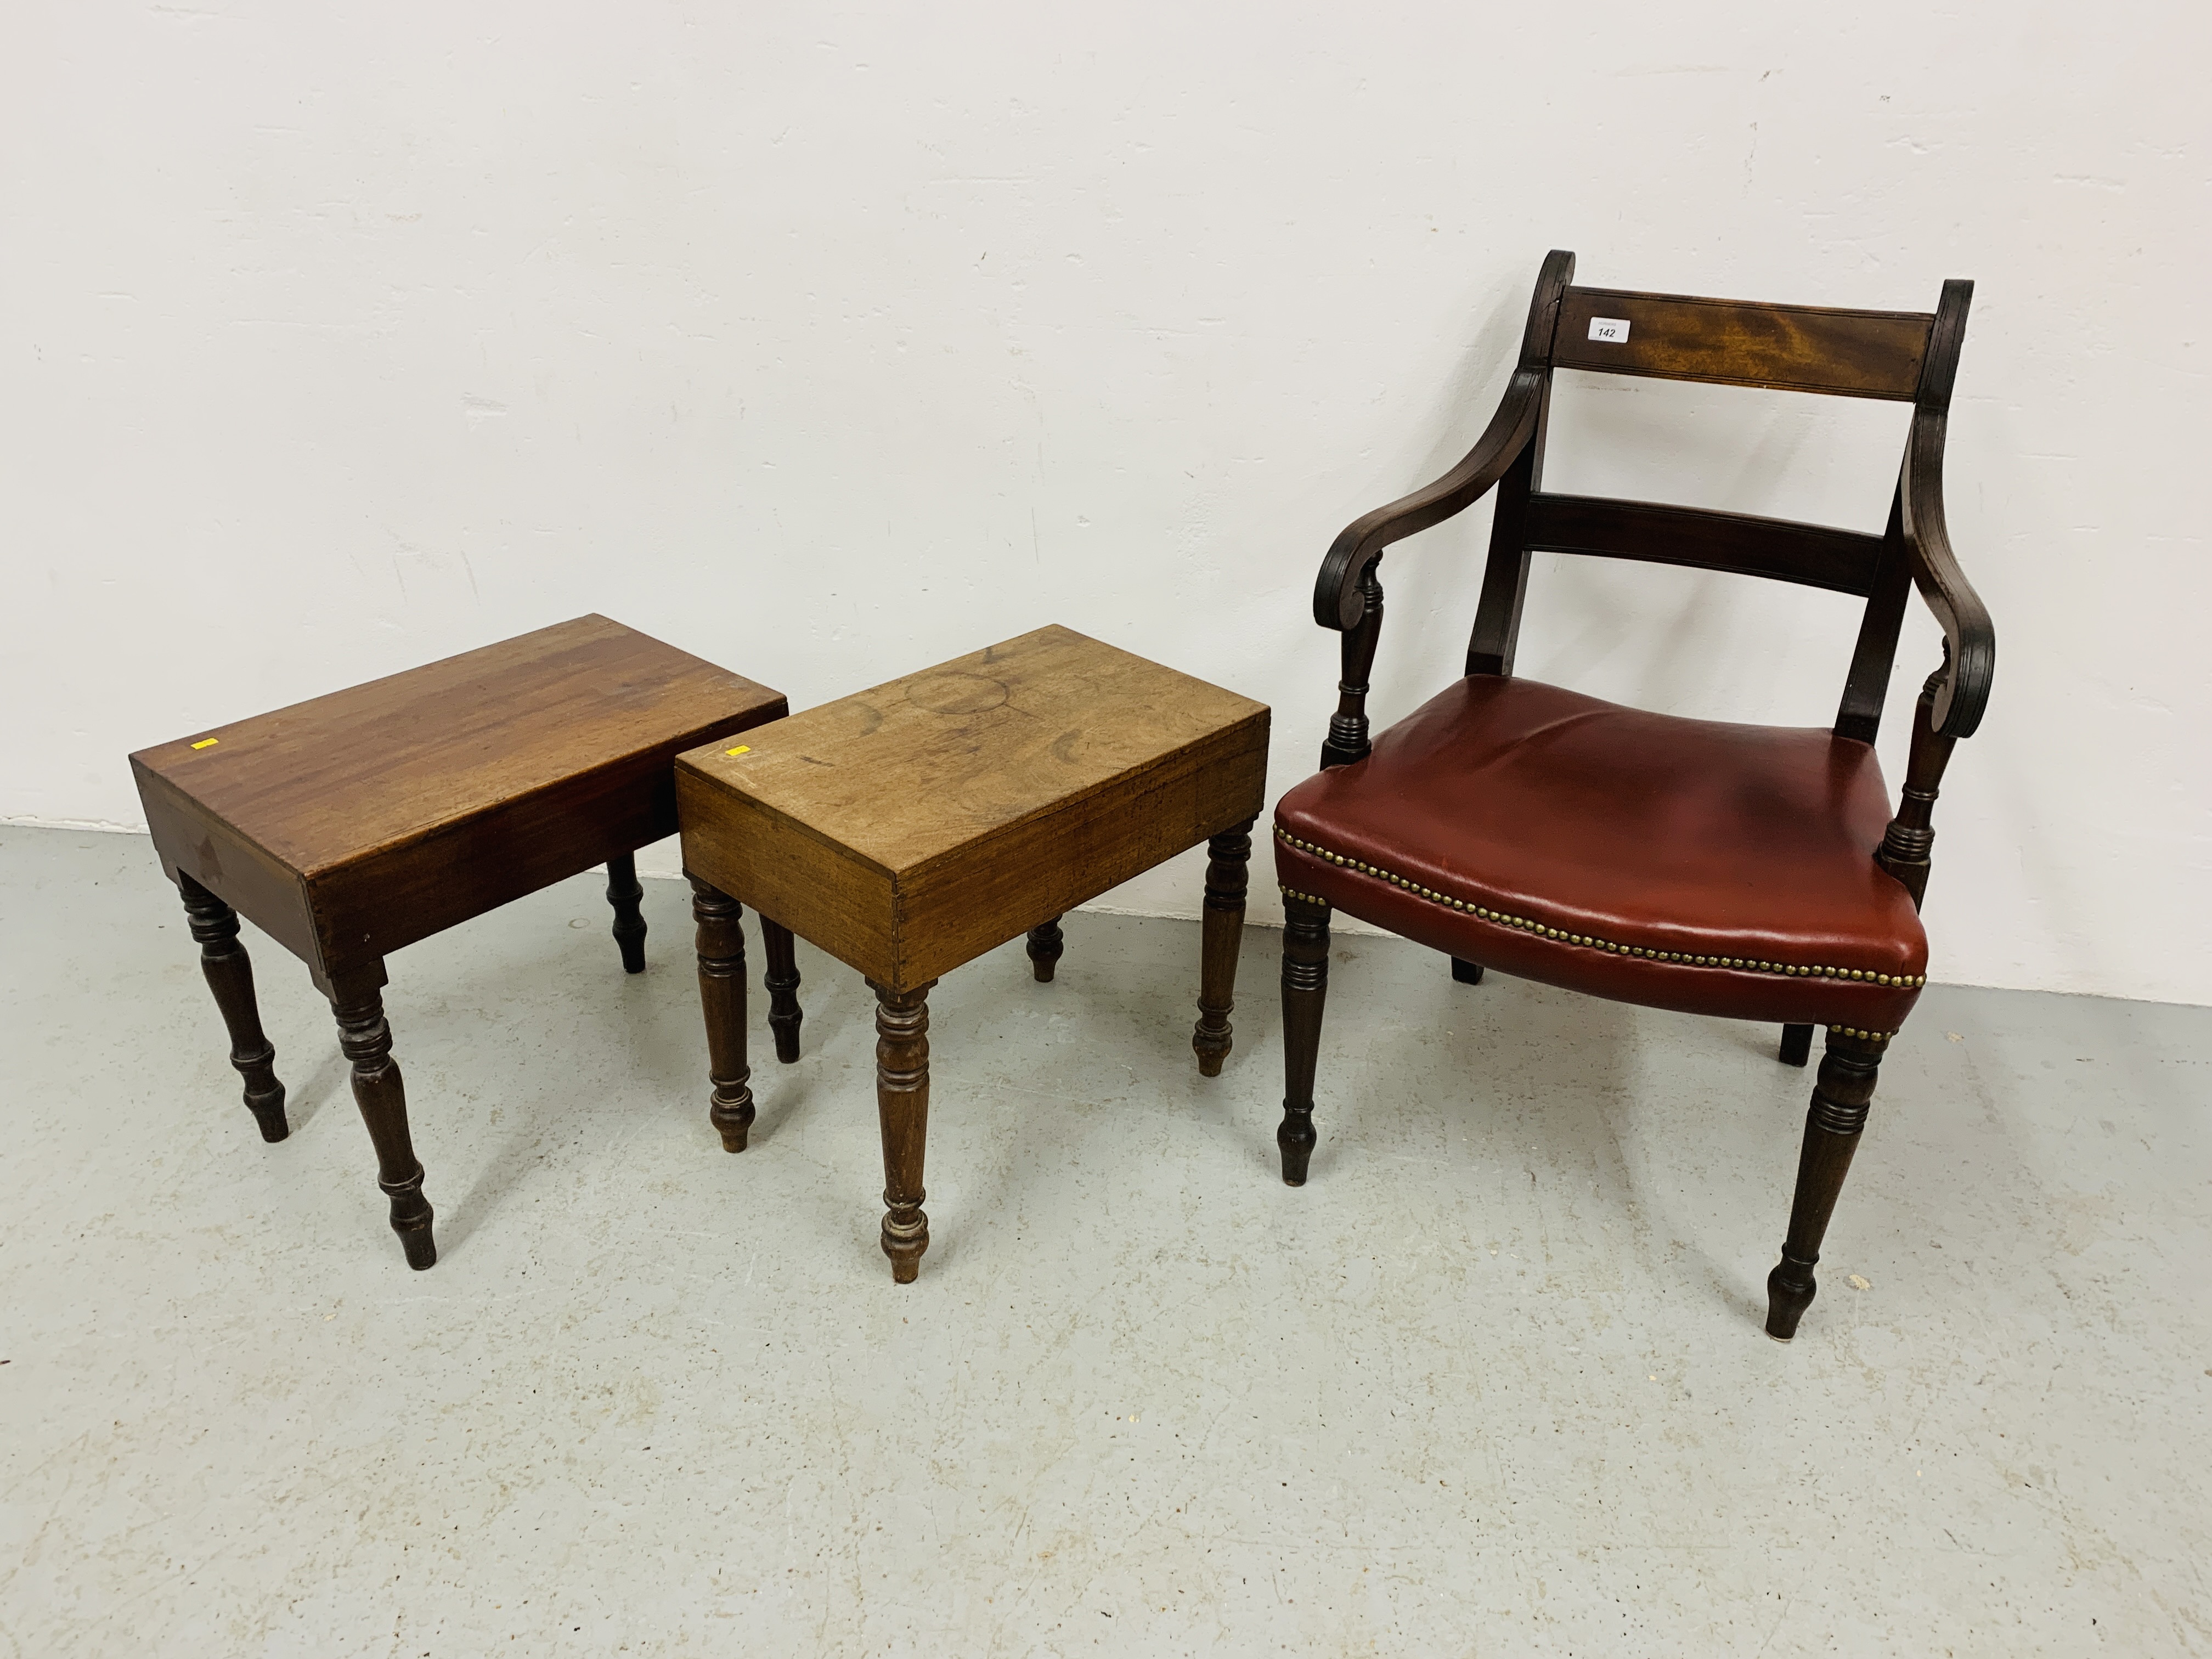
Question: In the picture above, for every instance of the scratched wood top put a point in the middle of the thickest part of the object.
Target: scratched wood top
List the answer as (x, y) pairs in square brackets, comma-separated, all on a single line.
[(336, 779), (919, 766)]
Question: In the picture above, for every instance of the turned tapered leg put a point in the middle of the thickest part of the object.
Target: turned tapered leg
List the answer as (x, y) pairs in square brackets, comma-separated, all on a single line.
[(1227, 854), (784, 1014), (626, 896), (382, 1097), (1305, 989), (229, 974), (902, 1104), (1796, 1044), (1467, 973), (722, 1000), (1044, 947), (1839, 1113)]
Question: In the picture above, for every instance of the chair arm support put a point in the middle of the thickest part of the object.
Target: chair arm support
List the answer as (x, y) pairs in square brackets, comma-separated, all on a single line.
[(1970, 638), (1338, 601), (1911, 836)]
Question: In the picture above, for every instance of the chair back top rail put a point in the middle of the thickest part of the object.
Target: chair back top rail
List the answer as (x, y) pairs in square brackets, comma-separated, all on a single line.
[(1815, 556), (1678, 337)]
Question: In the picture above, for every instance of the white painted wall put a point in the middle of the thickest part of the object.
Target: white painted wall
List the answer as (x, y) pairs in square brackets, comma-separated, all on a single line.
[(828, 342)]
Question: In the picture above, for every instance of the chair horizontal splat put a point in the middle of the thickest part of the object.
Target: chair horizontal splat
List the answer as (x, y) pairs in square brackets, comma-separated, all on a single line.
[(1814, 556)]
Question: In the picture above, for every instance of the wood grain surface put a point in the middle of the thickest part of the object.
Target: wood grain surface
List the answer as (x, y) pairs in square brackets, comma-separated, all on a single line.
[(360, 822), (911, 827), (1677, 336)]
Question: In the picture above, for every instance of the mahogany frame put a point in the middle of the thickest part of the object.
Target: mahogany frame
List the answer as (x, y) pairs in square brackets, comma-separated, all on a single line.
[(1905, 357)]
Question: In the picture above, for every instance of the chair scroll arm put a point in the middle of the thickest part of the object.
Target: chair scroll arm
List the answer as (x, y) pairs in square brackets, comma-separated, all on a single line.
[(1952, 701), (1970, 638), (1348, 595), (1338, 598)]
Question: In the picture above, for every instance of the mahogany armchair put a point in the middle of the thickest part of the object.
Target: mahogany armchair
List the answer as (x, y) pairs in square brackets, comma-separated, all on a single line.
[(1751, 872)]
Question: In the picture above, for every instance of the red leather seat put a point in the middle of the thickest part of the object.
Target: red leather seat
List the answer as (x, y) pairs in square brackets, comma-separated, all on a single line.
[(1693, 864)]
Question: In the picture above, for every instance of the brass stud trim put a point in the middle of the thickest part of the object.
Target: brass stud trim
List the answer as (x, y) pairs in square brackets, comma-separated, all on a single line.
[(1913, 982)]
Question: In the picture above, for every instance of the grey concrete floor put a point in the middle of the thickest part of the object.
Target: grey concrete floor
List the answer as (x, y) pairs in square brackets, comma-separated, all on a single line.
[(1493, 1382)]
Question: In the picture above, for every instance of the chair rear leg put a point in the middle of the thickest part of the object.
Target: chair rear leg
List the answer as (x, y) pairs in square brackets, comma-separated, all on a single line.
[(1467, 973), (1796, 1044), (1833, 1124), (1305, 992)]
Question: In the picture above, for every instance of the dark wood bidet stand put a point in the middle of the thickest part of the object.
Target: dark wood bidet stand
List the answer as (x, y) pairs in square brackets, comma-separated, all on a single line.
[(361, 822), (911, 827)]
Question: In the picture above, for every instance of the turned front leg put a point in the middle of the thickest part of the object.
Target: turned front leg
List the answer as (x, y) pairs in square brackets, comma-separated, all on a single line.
[(722, 1000), (784, 1014), (1227, 855), (229, 973), (902, 1104), (1833, 1125), (1045, 947), (1306, 991), (382, 1097), (628, 899)]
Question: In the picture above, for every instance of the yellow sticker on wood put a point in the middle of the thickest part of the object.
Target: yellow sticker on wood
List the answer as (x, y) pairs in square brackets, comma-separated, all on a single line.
[(207, 743), (741, 749)]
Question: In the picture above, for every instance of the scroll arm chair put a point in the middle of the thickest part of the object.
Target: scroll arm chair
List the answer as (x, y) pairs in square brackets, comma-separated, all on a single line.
[(1750, 873)]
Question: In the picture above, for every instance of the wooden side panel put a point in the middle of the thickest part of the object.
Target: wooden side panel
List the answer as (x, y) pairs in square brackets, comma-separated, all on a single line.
[(913, 826), (829, 894), (1851, 353), (996, 887), (1815, 556), (193, 841), (400, 893)]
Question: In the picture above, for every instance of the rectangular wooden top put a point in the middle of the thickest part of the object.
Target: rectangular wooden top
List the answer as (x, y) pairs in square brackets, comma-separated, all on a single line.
[(327, 782), (923, 767)]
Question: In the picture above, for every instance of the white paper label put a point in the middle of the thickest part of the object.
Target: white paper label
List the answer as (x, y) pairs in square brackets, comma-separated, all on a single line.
[(1613, 331)]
